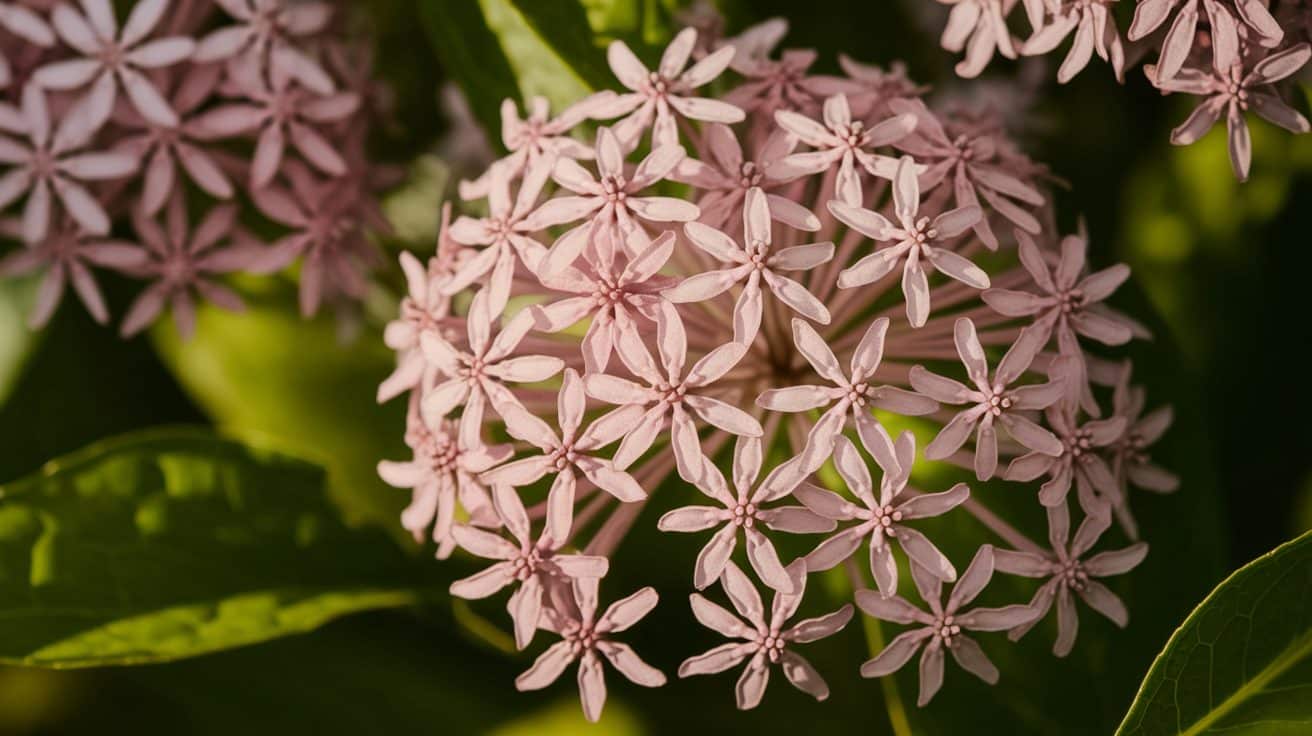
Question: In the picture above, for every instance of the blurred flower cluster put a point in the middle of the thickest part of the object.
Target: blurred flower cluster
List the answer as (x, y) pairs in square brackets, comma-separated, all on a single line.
[(133, 145), (1239, 55), (736, 276)]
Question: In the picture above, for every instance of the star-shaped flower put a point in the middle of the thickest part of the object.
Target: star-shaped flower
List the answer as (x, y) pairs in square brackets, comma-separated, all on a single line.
[(843, 141), (917, 238), (281, 113), (881, 519), (991, 401), (1069, 305), (1079, 461), (163, 148), (744, 510), (766, 642), (1069, 576), (656, 96), (726, 177), (752, 262), (568, 453), (66, 255), (424, 309), (584, 635), (184, 263), (535, 138), (506, 232), (1131, 465), (54, 162), (853, 392), (611, 302), (1234, 90), (671, 393), (112, 59), (613, 201), (974, 159), (443, 472), (941, 627), (264, 41), (529, 562), (478, 377), (1095, 30)]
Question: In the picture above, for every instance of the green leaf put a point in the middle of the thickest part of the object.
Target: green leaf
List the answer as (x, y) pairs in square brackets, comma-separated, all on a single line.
[(272, 378), (170, 544), (563, 26), (1242, 661), (471, 55), (16, 340)]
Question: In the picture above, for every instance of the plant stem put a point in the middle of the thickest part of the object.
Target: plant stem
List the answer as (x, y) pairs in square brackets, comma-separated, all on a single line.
[(897, 712)]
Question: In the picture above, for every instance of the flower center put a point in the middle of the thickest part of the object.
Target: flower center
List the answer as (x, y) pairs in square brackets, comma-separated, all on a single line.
[(857, 393), (613, 189), (749, 175), (672, 394), (1072, 574), (563, 457), (922, 233), (1078, 443), (853, 134), (744, 514), (442, 453), (657, 85), (528, 562), (947, 630), (884, 519), (1072, 301), (771, 643), (998, 401), (607, 293), (582, 640)]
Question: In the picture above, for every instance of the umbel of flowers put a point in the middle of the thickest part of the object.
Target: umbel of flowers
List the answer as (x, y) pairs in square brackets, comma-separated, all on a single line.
[(1240, 56), (135, 121), (745, 273)]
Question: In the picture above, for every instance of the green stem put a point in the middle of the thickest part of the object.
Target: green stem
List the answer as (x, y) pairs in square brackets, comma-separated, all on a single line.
[(897, 712)]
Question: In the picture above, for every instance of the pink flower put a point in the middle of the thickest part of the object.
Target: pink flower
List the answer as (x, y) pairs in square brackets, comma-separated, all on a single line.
[(974, 160), (584, 635), (1233, 90), (25, 24), (54, 162), (568, 453), (612, 202), (534, 564), (1131, 464), (163, 148), (113, 58), (765, 642), (979, 27), (1149, 15), (424, 310), (990, 400), (655, 97), (752, 263), (478, 377), (672, 393), (1079, 460), (1069, 577), (917, 238), (1094, 28), (881, 520), (854, 393), (726, 177), (612, 303), (875, 86), (264, 41), (782, 84), (328, 220), (941, 628), (744, 510), (534, 139), (182, 264), (281, 113), (843, 141), (506, 231), (443, 472), (67, 254)]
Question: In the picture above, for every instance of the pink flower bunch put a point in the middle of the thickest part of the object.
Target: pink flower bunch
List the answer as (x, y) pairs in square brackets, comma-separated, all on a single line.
[(746, 275), (136, 120), (1239, 55)]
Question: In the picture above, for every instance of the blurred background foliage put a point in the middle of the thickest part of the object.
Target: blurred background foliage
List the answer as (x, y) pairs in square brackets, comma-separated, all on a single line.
[(1222, 265)]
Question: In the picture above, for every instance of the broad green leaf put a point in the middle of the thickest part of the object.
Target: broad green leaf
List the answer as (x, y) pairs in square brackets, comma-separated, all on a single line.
[(1241, 663), (564, 27), (533, 57), (472, 57), (170, 544), (269, 376)]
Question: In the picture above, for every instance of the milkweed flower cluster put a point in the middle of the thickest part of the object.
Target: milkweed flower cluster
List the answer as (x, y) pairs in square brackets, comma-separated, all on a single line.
[(747, 274), (183, 101), (1239, 56)]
